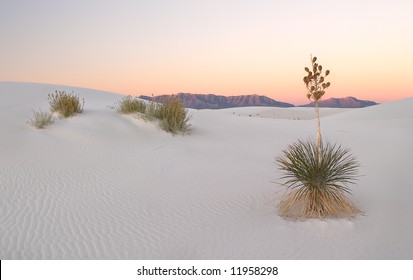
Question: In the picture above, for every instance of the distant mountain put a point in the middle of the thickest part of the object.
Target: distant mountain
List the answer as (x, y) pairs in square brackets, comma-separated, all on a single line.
[(212, 101), (347, 102)]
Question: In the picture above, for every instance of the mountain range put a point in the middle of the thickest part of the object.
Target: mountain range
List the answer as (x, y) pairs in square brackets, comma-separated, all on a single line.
[(212, 101), (346, 102)]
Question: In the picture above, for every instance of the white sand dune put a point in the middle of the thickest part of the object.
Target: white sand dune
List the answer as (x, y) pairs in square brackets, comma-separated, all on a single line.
[(105, 186)]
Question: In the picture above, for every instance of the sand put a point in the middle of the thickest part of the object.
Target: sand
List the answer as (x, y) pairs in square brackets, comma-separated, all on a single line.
[(106, 186)]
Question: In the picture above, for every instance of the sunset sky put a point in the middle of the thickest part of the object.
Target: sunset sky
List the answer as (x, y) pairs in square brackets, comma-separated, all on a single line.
[(227, 47)]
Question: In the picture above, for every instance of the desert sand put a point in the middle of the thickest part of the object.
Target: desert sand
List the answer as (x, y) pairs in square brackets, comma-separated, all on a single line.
[(102, 185)]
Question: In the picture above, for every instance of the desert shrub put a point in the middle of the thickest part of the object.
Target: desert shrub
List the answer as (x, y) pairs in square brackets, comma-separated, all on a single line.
[(129, 105), (65, 104), (41, 119), (317, 185), (153, 111), (174, 116)]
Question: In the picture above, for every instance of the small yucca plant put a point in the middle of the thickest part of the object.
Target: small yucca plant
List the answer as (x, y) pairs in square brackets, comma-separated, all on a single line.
[(40, 119), (128, 105), (174, 116), (65, 104), (317, 189)]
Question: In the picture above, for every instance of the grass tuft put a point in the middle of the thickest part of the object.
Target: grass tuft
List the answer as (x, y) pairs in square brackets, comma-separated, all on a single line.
[(65, 104), (40, 119), (129, 105), (174, 116), (317, 189), (152, 111)]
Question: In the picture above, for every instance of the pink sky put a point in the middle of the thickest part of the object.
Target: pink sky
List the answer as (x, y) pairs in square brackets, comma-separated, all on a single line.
[(222, 47)]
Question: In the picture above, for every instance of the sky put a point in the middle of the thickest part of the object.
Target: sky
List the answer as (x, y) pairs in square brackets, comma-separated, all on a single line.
[(225, 47)]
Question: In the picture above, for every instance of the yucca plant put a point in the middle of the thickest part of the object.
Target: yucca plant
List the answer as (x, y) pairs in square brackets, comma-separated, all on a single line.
[(65, 104), (317, 188), (317, 175)]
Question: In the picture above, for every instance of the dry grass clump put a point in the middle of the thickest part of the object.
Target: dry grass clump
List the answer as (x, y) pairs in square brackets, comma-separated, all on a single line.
[(65, 104), (40, 119), (129, 105), (317, 185), (174, 116), (152, 111)]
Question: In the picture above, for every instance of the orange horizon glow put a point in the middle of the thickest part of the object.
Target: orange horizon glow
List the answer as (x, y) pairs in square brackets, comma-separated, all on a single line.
[(296, 95)]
